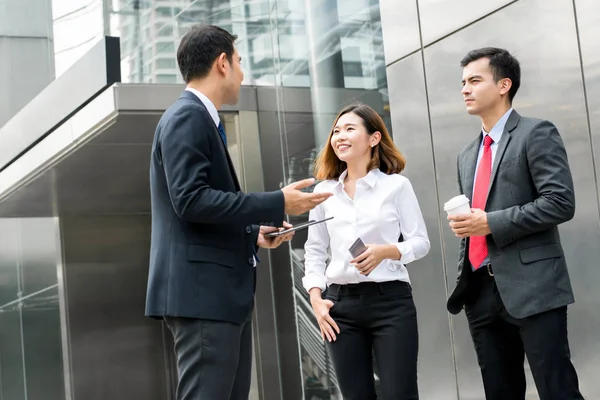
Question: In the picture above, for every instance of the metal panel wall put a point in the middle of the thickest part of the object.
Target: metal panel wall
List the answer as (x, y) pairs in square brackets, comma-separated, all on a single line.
[(442, 17), (412, 134), (552, 87), (116, 352), (400, 28), (588, 275), (588, 23)]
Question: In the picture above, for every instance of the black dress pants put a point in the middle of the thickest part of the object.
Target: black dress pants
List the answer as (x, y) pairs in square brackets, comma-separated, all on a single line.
[(501, 343), (377, 318)]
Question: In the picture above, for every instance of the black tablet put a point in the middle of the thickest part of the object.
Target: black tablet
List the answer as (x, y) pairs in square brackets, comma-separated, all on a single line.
[(297, 227)]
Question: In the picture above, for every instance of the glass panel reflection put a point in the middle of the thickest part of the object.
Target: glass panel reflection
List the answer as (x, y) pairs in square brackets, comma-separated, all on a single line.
[(42, 346), (336, 48), (38, 254), (12, 384), (30, 348), (343, 45), (9, 255), (30, 334)]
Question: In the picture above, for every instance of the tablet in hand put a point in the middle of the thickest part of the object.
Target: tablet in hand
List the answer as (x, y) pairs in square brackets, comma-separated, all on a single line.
[(296, 228)]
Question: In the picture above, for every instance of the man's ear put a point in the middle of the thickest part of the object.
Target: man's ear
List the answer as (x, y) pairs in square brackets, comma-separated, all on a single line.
[(505, 85), (222, 64)]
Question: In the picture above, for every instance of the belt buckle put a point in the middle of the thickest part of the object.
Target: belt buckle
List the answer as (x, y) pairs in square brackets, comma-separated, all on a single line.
[(489, 269)]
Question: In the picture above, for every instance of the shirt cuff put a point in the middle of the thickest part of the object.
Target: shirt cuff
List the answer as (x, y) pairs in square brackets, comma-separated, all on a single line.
[(407, 252), (313, 281)]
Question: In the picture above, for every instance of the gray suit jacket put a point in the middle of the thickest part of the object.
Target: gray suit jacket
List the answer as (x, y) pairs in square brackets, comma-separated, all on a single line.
[(531, 193)]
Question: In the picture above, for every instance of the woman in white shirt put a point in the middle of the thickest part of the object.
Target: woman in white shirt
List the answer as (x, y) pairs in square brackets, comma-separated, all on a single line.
[(368, 305)]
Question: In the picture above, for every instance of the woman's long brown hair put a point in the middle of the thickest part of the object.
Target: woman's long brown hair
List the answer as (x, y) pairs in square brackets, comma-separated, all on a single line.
[(385, 155)]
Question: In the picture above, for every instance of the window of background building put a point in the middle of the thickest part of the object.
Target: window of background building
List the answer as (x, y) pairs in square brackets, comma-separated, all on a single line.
[(163, 78), (166, 63), (167, 12), (164, 30), (165, 47)]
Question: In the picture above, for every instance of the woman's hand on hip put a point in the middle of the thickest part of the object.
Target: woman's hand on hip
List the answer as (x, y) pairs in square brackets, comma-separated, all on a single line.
[(327, 325)]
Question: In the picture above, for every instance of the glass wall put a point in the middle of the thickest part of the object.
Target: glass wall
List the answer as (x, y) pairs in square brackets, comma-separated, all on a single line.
[(343, 62), (332, 49), (329, 53), (31, 364), (325, 54)]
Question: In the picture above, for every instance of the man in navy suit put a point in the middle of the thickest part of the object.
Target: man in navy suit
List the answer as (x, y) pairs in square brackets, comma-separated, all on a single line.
[(205, 231)]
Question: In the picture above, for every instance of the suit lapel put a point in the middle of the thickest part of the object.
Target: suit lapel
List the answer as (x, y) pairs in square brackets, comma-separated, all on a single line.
[(511, 124), (189, 95), (499, 153), (469, 163)]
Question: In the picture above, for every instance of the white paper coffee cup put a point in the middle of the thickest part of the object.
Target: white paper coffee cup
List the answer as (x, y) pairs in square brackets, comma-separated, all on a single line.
[(457, 205)]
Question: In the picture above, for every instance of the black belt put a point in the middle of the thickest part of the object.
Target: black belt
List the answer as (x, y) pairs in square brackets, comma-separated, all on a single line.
[(357, 289)]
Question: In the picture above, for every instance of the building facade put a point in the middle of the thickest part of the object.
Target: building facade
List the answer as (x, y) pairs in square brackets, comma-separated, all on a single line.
[(74, 199)]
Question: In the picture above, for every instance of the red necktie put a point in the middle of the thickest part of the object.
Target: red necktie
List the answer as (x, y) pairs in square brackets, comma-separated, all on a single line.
[(478, 250)]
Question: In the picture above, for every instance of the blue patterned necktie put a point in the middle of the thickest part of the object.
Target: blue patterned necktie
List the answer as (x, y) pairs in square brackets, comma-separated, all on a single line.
[(222, 133)]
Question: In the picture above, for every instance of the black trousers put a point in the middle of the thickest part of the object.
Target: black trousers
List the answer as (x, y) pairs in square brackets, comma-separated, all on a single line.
[(214, 358), (377, 318), (501, 343)]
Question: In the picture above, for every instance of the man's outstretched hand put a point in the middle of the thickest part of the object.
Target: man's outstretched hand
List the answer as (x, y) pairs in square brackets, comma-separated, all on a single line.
[(298, 202)]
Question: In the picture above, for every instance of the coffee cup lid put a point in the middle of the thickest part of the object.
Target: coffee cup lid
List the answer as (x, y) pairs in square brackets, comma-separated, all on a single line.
[(456, 202)]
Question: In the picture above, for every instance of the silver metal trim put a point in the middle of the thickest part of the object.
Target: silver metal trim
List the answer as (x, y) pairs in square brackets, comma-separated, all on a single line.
[(64, 312)]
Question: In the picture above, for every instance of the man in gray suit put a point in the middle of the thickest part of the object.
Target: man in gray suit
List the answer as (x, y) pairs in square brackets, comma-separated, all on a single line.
[(513, 281)]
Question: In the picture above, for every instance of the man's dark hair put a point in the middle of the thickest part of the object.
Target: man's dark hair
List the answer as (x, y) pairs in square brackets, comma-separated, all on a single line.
[(200, 47), (502, 64)]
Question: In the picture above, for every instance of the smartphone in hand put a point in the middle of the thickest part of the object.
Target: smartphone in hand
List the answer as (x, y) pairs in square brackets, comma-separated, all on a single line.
[(357, 248)]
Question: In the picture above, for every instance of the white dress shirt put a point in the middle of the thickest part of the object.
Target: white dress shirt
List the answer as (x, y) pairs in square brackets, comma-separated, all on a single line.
[(212, 110), (384, 206)]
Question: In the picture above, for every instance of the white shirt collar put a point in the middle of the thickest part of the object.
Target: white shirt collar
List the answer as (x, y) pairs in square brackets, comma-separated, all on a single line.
[(370, 179), (212, 110), (497, 130)]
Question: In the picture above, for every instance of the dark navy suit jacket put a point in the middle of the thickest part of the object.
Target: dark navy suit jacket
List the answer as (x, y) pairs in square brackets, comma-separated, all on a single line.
[(204, 228)]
